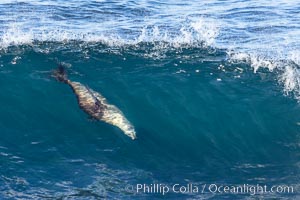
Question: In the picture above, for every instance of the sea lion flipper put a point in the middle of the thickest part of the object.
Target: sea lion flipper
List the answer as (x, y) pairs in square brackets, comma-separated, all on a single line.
[(60, 74)]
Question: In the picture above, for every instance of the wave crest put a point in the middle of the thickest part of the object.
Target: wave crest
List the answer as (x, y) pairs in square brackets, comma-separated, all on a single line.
[(287, 71), (194, 33)]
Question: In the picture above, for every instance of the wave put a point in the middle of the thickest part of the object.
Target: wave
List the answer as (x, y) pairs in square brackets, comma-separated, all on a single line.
[(199, 35), (192, 34), (286, 71)]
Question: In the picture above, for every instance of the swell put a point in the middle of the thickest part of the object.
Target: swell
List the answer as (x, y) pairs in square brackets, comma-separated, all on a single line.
[(285, 71), (202, 107)]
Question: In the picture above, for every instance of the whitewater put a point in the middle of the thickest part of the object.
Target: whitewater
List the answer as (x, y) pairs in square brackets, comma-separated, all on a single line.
[(212, 89)]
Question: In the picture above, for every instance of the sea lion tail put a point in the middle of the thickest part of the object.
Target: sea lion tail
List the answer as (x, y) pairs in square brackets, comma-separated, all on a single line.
[(60, 74)]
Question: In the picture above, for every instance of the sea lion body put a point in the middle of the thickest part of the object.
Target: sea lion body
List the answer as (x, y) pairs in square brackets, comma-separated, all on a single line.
[(95, 105)]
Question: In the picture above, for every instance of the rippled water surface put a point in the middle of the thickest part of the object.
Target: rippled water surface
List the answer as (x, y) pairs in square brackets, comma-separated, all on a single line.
[(212, 89)]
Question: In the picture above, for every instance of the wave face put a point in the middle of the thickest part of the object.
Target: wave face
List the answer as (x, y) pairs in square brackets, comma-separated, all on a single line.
[(212, 89)]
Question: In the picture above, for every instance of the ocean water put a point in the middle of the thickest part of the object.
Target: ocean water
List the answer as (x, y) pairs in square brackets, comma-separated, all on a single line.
[(211, 87)]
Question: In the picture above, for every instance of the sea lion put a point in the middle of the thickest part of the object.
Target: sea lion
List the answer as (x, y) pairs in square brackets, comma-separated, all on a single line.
[(95, 105)]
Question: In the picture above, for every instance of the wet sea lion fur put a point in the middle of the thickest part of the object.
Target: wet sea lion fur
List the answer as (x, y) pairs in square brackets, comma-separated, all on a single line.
[(95, 105)]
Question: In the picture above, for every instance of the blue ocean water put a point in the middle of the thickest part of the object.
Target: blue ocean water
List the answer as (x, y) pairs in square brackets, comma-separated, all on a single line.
[(212, 89)]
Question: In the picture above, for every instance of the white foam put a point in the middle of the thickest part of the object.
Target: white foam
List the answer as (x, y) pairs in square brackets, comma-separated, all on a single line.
[(290, 78), (256, 61), (192, 34), (15, 36), (287, 71), (294, 56), (207, 30)]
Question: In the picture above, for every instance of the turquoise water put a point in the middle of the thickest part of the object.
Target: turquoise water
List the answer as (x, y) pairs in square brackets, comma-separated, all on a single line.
[(204, 113)]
